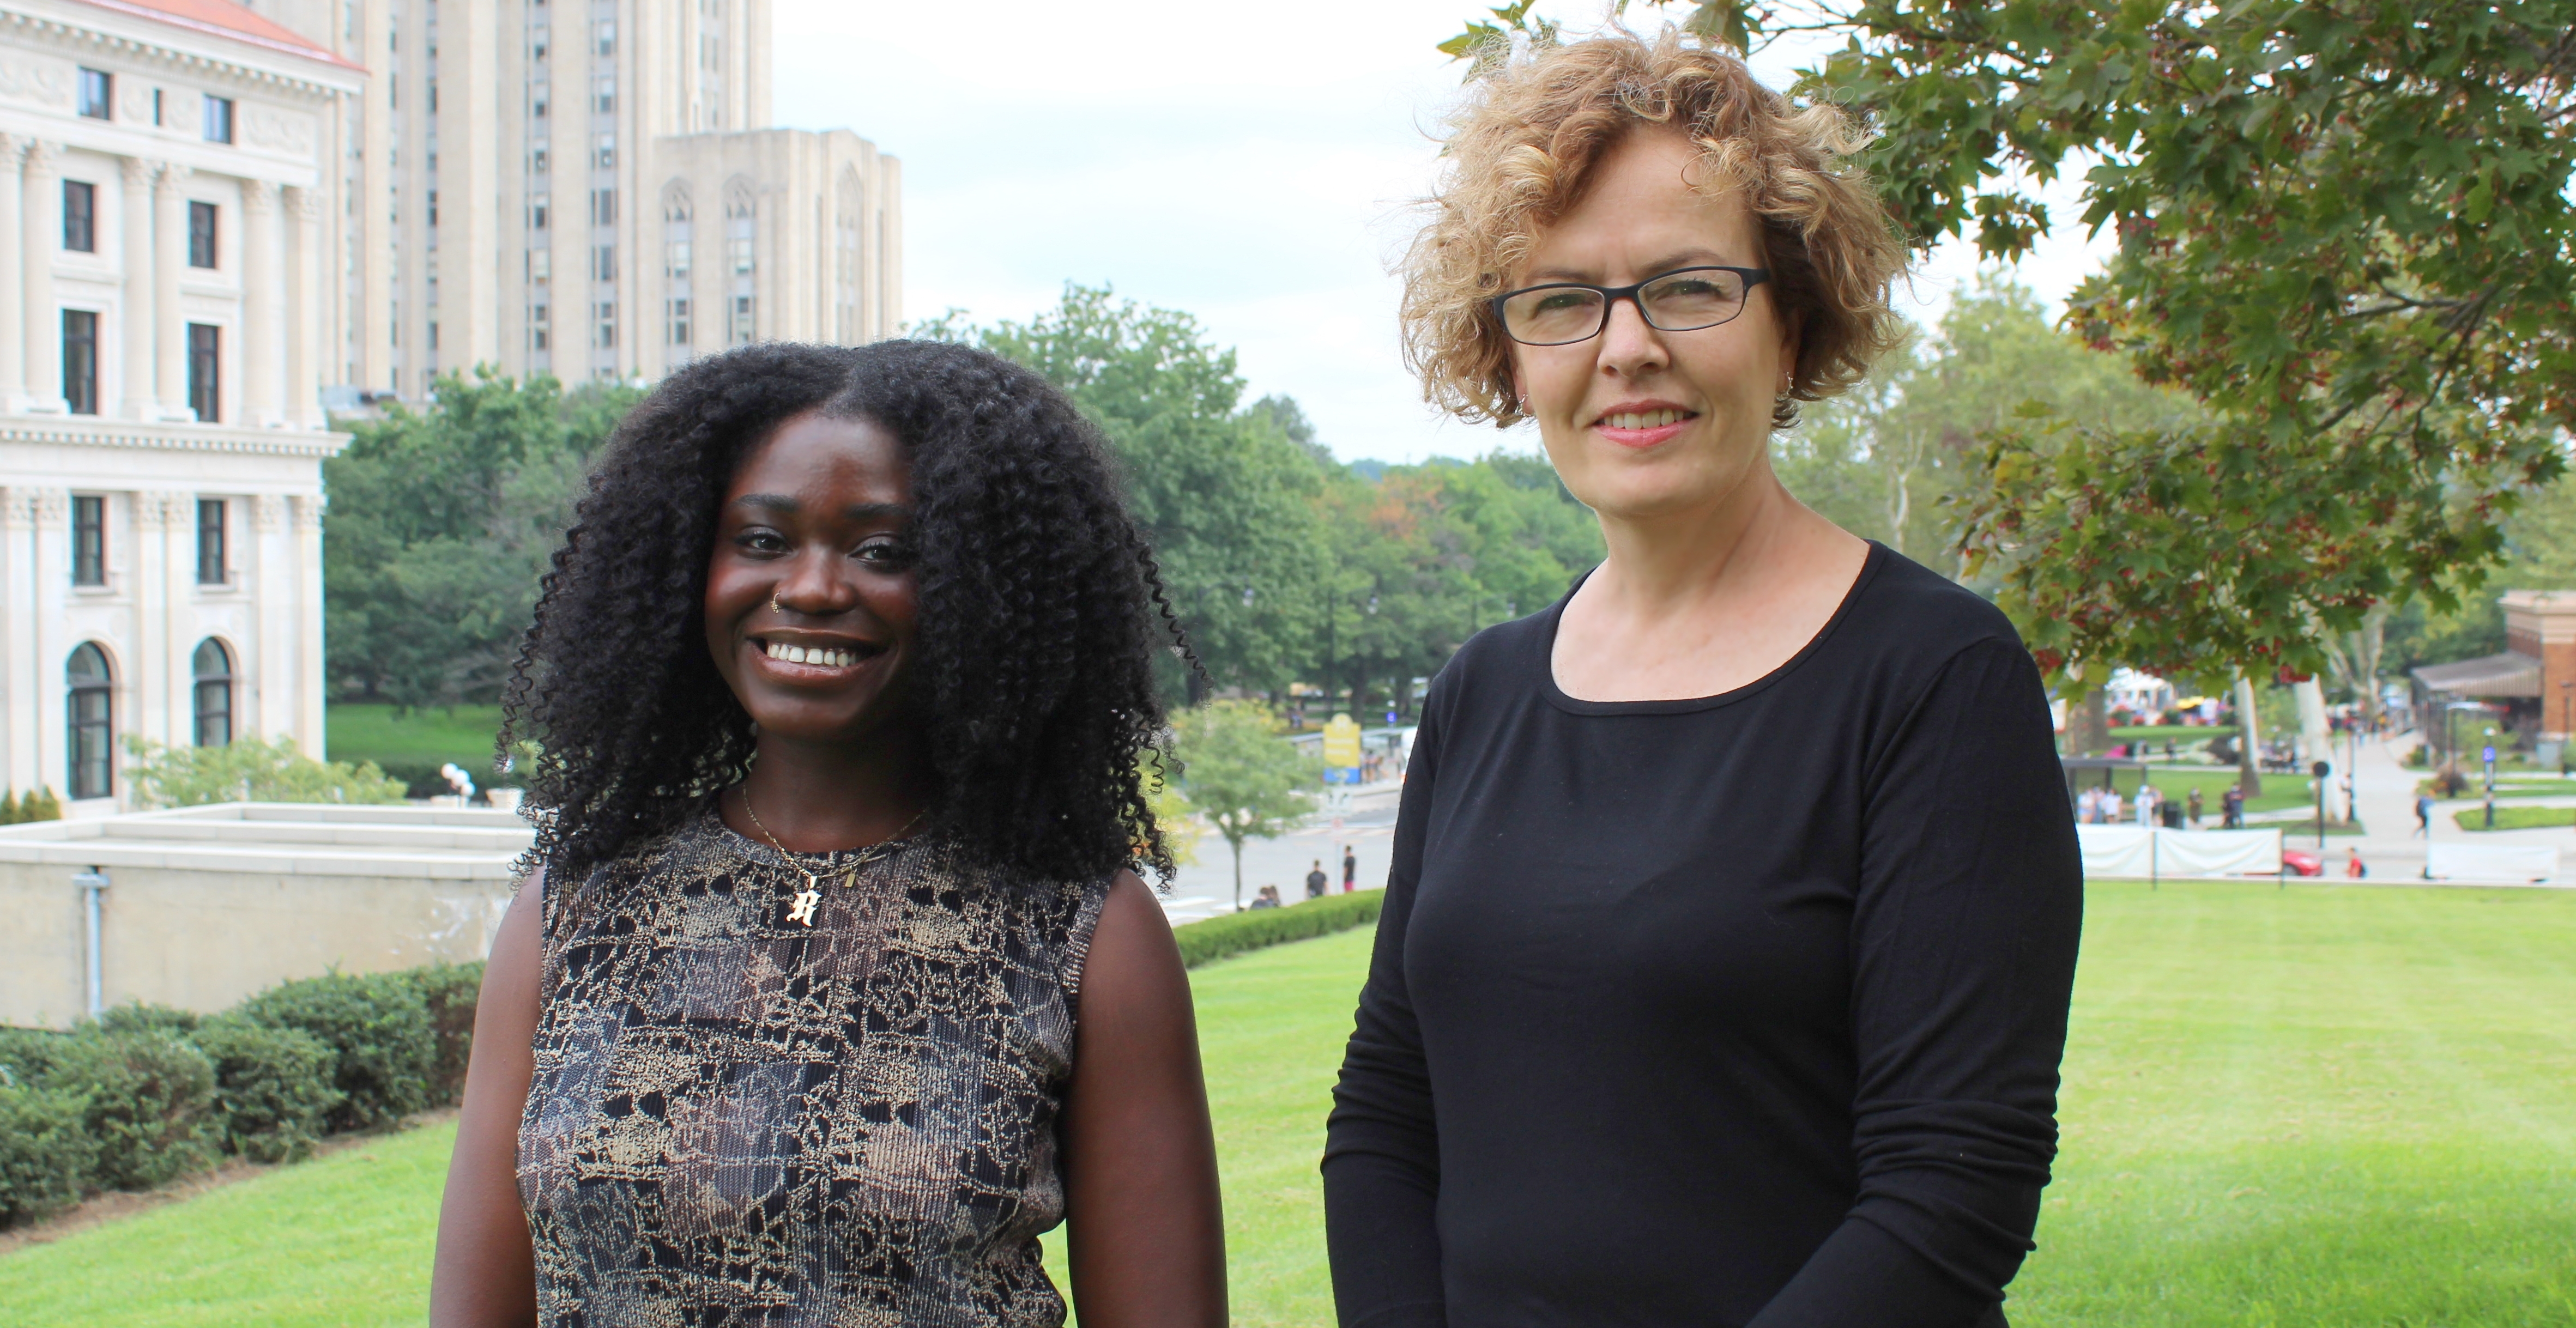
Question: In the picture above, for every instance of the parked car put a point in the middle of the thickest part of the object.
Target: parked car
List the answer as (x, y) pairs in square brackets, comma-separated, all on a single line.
[(2301, 862)]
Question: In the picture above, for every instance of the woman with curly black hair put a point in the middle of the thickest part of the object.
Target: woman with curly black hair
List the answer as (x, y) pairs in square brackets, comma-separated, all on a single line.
[(832, 984)]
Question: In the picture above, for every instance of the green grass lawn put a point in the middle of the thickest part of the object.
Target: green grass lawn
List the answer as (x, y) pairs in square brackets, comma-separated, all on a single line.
[(358, 732), (2184, 735), (2322, 1106), (2510, 817), (2177, 781)]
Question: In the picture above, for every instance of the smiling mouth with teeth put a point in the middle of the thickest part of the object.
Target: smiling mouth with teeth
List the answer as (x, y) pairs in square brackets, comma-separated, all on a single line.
[(827, 657), (1650, 419)]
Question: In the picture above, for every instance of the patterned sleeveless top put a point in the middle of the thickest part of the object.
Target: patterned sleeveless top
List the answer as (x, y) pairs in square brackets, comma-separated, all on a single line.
[(740, 1120)]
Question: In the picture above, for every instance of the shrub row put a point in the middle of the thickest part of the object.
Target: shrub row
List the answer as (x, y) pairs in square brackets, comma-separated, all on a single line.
[(146, 1094), (1214, 939)]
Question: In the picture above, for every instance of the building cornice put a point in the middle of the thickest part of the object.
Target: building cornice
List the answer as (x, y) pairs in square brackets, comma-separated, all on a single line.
[(176, 437), (137, 32)]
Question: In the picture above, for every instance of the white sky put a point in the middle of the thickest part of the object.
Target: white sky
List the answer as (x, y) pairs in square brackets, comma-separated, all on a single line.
[(1251, 164)]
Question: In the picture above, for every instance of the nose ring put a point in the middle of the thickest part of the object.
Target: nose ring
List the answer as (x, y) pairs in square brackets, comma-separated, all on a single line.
[(774, 606)]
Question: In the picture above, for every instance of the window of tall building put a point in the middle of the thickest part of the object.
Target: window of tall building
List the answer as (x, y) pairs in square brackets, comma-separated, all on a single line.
[(537, 329), (211, 553), (604, 90), (679, 320), (201, 234), (80, 216), (157, 121), (537, 161), (675, 260), (80, 361), (741, 329), (537, 212), (738, 249), (219, 118), (541, 266), (89, 540), (89, 700), (603, 207), (537, 106), (213, 667), (603, 262), (607, 325), (433, 207), (97, 93), (604, 152), (606, 31), (205, 370)]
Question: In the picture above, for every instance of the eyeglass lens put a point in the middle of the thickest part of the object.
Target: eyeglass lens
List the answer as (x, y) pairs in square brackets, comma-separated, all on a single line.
[(1681, 302)]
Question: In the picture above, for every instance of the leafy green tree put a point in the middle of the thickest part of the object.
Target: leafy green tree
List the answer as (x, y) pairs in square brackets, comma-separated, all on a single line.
[(1891, 459), (442, 520), (1226, 494), (1242, 775), (248, 769)]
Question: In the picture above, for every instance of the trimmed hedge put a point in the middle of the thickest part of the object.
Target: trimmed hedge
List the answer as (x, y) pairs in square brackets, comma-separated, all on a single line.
[(377, 1027), (1216, 938), (273, 1090), (146, 1094)]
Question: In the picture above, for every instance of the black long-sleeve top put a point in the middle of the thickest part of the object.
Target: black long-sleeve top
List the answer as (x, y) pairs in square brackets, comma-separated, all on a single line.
[(1738, 1010)]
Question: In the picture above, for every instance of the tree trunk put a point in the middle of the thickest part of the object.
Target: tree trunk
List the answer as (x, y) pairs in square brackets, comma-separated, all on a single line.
[(2088, 724), (1235, 842), (2249, 736), (2314, 731)]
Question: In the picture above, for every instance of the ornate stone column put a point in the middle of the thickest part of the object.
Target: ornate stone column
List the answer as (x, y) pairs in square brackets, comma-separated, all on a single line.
[(40, 320), (13, 294), (303, 314), (142, 389), (310, 687), (261, 296), (170, 258)]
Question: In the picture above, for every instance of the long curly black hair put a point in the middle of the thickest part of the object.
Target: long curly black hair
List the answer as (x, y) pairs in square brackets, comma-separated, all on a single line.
[(1041, 610)]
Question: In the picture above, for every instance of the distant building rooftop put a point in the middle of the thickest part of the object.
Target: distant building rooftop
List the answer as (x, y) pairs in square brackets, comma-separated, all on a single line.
[(223, 18), (2509, 674)]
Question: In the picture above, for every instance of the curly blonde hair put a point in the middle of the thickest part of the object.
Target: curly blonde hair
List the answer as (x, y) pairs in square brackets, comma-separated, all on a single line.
[(1527, 138)]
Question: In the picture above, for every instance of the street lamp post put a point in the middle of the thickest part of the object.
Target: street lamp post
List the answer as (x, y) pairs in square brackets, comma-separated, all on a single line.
[(2321, 770)]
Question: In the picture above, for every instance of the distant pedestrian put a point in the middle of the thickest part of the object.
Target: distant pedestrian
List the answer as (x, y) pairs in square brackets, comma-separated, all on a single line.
[(2231, 805), (2424, 815), (2110, 806), (2145, 808), (2191, 806), (2353, 867), (1350, 869), (1315, 880)]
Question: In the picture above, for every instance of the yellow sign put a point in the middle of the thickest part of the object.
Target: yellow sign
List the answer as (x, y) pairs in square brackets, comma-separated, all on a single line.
[(1342, 742)]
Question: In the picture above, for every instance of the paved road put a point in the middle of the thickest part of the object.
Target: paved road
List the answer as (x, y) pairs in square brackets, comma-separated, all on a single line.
[(2384, 790), (1205, 888)]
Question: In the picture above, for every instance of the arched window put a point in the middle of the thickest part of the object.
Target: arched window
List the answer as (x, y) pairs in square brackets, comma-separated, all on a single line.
[(742, 227), (92, 715), (214, 669), (676, 262)]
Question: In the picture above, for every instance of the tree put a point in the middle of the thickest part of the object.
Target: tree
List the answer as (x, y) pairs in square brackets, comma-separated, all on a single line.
[(441, 522), (1248, 781), (2345, 229), (1226, 495), (250, 770)]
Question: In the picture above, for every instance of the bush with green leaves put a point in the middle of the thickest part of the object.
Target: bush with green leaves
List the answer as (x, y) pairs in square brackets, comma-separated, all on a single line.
[(40, 805), (273, 1093), (378, 1029), (249, 769), (45, 1153), (449, 990), (147, 1098), (1233, 933)]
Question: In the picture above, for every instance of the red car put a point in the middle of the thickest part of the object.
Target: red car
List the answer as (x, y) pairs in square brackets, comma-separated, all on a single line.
[(2300, 862)]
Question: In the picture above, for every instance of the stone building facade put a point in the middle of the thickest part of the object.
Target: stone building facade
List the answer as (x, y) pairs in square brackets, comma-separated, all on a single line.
[(167, 185), (518, 160)]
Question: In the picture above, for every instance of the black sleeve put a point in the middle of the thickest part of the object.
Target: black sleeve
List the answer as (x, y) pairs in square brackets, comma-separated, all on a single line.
[(1963, 941), (1381, 1149)]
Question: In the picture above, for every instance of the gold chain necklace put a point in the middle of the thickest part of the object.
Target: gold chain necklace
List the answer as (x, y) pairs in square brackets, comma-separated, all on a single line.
[(803, 912)]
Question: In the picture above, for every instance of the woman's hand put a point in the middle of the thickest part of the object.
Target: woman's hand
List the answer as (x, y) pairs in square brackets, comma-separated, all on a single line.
[(1146, 1229), (485, 1272)]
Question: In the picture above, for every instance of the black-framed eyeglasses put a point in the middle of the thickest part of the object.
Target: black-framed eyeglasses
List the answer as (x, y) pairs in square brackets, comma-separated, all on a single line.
[(1683, 300)]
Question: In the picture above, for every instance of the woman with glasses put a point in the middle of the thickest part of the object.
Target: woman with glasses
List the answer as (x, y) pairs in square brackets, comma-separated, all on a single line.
[(1724, 968)]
